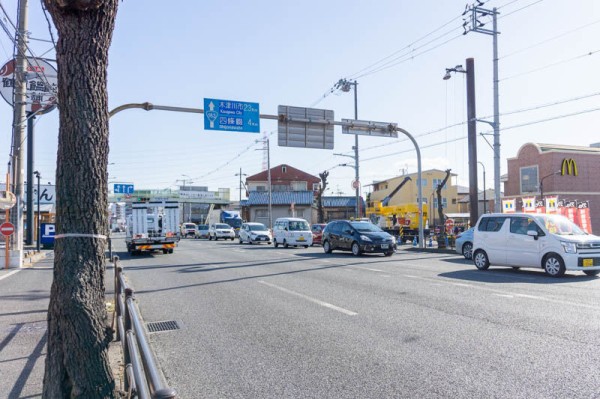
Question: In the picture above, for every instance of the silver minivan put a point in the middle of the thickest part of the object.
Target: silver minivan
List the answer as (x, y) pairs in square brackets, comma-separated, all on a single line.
[(550, 242)]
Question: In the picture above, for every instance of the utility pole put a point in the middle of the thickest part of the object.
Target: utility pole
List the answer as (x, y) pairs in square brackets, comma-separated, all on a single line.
[(183, 210), (477, 26), (30, 152), (471, 135), (484, 195), (19, 110), (344, 85), (240, 175), (472, 142), (268, 149)]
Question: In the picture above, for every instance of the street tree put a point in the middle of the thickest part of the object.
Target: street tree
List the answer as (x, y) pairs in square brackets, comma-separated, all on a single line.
[(77, 363), (322, 188)]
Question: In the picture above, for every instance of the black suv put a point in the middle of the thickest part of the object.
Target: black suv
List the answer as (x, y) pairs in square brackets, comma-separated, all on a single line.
[(357, 237)]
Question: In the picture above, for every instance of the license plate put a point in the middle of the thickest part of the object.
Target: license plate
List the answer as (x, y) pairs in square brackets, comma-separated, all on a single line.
[(588, 262), (263, 239), (301, 239), (384, 246)]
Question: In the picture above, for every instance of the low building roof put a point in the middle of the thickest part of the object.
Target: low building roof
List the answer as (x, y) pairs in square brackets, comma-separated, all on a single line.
[(280, 198)]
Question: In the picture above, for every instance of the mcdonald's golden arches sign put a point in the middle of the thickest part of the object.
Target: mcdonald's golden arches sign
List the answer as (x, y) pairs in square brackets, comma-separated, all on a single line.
[(568, 167)]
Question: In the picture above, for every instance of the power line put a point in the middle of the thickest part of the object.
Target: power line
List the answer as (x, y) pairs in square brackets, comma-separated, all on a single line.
[(550, 39), (522, 8), (551, 65), (488, 132)]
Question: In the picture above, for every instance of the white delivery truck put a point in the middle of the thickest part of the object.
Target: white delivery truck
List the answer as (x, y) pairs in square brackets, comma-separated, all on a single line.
[(152, 226)]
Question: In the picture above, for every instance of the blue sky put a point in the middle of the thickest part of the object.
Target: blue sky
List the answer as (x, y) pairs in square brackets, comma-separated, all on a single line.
[(291, 53)]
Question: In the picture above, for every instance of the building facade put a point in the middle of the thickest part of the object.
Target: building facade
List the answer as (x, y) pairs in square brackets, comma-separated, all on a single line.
[(409, 192), (569, 173), (292, 195)]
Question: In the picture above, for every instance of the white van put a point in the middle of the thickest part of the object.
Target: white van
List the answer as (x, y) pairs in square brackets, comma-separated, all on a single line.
[(551, 242), (292, 231)]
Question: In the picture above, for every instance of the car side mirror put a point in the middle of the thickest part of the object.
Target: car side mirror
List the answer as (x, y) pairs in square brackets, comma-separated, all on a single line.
[(532, 233)]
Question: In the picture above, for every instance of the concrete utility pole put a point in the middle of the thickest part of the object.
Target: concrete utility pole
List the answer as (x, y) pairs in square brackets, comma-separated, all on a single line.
[(19, 115), (477, 26), (471, 135), (472, 139)]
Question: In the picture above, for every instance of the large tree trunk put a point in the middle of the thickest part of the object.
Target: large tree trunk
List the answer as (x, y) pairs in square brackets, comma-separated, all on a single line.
[(77, 361)]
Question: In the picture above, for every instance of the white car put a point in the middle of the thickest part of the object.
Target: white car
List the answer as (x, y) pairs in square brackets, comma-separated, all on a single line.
[(254, 232), (550, 242), (221, 230)]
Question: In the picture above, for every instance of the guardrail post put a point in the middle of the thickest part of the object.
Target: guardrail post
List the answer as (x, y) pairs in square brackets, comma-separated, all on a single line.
[(165, 393), (127, 326)]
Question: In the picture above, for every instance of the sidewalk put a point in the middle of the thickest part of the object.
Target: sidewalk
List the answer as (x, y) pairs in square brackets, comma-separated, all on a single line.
[(24, 298)]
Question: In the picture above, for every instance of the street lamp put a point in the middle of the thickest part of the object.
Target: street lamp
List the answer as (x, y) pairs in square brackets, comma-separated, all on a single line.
[(471, 135), (344, 85), (542, 183), (39, 233), (484, 198)]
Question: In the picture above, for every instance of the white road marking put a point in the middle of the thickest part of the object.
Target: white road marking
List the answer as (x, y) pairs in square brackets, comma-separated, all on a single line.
[(313, 300), (9, 274), (367, 268), (503, 295), (507, 294)]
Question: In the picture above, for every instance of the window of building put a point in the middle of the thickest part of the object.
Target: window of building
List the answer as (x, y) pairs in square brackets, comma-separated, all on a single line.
[(261, 188), (453, 201), (444, 202), (436, 182), (316, 186), (283, 169), (262, 213), (280, 187), (423, 182), (299, 186), (529, 179)]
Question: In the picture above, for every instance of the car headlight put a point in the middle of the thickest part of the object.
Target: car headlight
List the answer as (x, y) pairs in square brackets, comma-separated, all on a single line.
[(365, 238), (569, 247)]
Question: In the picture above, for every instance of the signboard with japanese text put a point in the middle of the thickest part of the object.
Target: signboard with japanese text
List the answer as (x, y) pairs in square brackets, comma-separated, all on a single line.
[(41, 85), (236, 116)]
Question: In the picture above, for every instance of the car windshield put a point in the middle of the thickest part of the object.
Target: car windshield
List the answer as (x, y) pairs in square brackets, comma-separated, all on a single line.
[(317, 228), (190, 226), (557, 224), (299, 225), (257, 227), (366, 227), (202, 227), (222, 226)]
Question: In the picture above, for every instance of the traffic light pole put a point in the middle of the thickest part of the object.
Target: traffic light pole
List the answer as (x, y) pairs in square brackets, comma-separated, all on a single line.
[(282, 118)]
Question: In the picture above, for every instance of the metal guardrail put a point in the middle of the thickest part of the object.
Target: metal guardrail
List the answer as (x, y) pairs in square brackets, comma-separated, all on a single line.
[(142, 377)]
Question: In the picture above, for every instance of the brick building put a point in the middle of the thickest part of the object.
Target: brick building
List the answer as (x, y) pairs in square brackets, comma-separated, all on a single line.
[(568, 172)]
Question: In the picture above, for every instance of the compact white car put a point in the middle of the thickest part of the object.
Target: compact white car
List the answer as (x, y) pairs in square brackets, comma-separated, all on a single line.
[(221, 230), (292, 231), (254, 232), (551, 242)]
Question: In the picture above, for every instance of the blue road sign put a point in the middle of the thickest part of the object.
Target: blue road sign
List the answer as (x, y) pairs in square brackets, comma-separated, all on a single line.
[(230, 115), (123, 189), (47, 231)]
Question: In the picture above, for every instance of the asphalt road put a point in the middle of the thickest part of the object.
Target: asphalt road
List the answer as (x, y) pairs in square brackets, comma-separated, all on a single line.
[(260, 322)]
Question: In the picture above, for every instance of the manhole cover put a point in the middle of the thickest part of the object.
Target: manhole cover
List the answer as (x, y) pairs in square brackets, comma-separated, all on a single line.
[(159, 326)]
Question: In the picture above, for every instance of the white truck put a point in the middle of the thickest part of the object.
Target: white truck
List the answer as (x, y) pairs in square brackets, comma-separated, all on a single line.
[(152, 226)]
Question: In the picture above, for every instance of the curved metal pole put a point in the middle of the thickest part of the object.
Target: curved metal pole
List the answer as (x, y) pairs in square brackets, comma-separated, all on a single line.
[(419, 186)]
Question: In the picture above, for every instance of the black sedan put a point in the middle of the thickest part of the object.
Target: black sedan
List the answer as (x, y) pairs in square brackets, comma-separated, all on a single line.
[(358, 237)]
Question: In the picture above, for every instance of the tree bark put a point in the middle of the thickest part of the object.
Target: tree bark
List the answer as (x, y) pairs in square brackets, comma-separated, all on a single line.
[(77, 363), (322, 188)]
